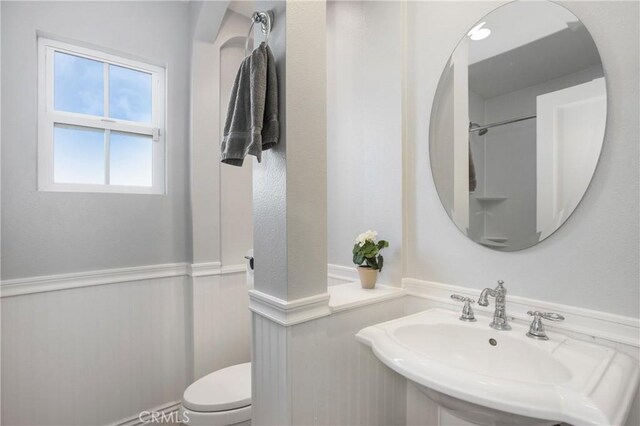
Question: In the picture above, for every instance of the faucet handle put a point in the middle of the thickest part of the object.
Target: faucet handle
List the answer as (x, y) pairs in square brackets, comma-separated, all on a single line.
[(551, 316), (462, 298), (536, 330), (467, 311)]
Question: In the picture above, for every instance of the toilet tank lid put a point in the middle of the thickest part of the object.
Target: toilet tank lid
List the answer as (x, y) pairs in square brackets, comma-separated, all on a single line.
[(222, 390)]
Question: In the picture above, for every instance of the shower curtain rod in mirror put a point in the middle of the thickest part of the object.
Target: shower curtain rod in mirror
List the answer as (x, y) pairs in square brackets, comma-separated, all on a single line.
[(499, 123)]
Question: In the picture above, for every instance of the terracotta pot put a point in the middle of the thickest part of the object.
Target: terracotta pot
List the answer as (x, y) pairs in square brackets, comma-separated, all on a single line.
[(368, 276)]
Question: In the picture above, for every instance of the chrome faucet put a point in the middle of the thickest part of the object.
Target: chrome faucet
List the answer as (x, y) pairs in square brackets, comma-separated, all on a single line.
[(536, 329), (500, 315), (467, 311)]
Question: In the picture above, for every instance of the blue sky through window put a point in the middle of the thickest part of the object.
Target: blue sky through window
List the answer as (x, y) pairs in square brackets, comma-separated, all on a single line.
[(130, 94), (78, 84), (78, 155), (131, 157)]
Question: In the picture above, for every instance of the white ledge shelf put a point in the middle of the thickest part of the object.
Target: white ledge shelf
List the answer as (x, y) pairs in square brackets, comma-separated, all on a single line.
[(351, 295), (490, 243), (496, 239), (489, 198)]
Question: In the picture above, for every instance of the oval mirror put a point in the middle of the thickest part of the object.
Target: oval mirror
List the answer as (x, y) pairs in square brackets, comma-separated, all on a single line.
[(517, 124)]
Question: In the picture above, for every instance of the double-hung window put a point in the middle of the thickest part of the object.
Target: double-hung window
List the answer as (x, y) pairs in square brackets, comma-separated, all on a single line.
[(101, 121)]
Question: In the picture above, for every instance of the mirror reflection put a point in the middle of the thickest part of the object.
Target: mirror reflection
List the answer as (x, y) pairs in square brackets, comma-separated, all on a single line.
[(517, 124)]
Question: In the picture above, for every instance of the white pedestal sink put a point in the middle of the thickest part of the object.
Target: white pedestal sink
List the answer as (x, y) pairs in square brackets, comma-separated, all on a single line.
[(491, 377)]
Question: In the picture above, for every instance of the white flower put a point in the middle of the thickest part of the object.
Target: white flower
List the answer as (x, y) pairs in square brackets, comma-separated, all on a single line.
[(366, 236)]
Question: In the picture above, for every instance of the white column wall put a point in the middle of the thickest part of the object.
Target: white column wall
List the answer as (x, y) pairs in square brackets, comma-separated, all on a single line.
[(290, 211)]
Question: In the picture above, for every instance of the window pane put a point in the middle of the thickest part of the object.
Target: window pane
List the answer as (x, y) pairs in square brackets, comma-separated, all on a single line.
[(130, 94), (78, 84), (131, 159), (78, 155)]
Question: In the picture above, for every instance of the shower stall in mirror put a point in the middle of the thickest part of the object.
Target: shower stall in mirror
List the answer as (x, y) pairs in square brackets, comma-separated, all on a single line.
[(517, 124)]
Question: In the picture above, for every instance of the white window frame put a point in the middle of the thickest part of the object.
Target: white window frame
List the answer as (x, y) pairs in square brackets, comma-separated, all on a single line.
[(48, 117)]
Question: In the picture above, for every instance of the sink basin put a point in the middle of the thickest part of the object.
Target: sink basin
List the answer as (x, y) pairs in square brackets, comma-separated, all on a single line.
[(468, 348), (494, 377)]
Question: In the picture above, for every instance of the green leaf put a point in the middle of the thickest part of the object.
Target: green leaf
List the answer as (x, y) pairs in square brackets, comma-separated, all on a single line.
[(372, 263), (382, 244), (370, 251), (380, 262)]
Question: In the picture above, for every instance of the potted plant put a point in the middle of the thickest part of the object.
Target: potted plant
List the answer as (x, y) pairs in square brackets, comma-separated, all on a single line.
[(367, 251)]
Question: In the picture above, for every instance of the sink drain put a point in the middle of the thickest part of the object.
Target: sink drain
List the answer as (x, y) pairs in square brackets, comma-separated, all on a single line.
[(493, 342)]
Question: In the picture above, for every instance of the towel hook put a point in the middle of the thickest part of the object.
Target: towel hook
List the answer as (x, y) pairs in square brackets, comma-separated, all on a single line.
[(265, 19)]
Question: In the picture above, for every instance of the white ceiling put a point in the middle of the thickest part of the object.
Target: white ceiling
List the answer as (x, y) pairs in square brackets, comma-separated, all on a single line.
[(517, 24), (551, 57)]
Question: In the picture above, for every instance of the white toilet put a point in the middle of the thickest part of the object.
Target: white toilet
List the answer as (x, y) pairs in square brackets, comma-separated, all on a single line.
[(221, 398)]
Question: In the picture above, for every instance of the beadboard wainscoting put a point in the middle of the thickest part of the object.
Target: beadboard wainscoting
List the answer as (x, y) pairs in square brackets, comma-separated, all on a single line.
[(93, 355), (99, 347), (351, 385), (221, 321), (316, 373), (270, 373)]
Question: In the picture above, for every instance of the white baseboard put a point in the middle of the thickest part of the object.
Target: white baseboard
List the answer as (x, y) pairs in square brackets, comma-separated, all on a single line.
[(603, 325), (289, 312), (165, 409), (40, 284), (204, 269)]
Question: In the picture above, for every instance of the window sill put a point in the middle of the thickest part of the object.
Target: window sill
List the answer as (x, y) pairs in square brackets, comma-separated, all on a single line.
[(101, 189)]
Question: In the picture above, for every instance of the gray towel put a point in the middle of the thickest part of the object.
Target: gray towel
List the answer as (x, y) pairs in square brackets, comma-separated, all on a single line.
[(473, 182), (252, 116)]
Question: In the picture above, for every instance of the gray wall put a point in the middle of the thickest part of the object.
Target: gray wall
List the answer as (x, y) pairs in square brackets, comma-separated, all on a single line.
[(593, 260), (364, 129), (221, 203), (236, 195), (54, 232)]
